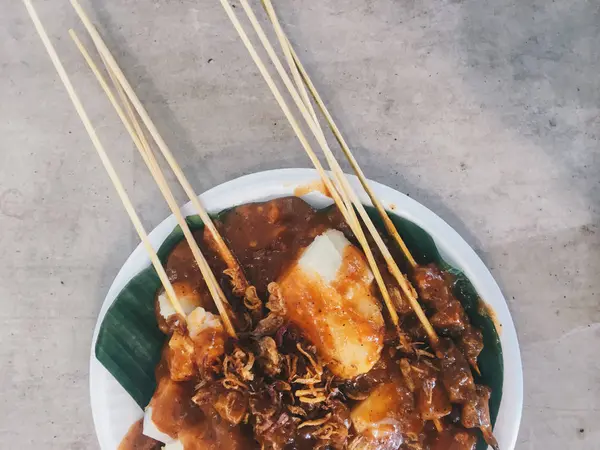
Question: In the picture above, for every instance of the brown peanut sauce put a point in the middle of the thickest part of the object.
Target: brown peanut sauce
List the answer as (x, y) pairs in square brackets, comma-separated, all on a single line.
[(266, 238)]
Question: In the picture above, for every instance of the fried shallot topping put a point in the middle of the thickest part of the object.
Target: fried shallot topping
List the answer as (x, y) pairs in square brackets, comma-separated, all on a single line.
[(275, 318), (275, 304), (251, 300), (237, 369), (269, 358), (238, 284)]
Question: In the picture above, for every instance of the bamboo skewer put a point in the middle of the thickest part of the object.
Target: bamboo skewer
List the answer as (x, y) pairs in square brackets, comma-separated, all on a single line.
[(224, 251), (104, 157), (301, 77), (143, 147), (348, 213), (340, 177), (297, 77), (289, 58)]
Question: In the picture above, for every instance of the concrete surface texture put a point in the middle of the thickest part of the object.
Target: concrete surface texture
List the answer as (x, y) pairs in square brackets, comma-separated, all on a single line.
[(486, 111)]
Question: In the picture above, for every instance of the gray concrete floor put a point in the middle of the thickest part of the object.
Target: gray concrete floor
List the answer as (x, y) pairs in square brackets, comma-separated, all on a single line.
[(486, 111)]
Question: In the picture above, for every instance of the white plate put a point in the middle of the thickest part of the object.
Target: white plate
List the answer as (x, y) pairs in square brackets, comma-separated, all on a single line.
[(114, 410)]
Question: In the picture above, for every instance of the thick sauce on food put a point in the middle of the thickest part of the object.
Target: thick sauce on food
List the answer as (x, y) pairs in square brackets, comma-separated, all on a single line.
[(135, 440), (294, 398)]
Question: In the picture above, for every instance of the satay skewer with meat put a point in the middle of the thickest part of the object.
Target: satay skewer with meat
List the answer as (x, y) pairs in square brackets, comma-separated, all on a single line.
[(449, 317), (338, 174), (114, 177), (449, 314), (347, 193)]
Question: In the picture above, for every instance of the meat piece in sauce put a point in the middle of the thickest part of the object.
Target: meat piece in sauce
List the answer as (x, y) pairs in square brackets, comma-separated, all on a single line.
[(456, 374), (476, 414), (388, 413), (274, 427), (423, 378), (269, 358), (197, 352), (360, 387), (449, 316), (328, 295), (205, 429), (461, 389), (471, 343)]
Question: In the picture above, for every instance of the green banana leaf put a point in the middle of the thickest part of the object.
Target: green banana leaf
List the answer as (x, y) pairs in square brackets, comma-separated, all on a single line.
[(129, 341)]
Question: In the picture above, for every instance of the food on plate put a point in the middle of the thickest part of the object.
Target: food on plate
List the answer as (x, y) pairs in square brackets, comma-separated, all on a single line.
[(289, 328), (319, 365)]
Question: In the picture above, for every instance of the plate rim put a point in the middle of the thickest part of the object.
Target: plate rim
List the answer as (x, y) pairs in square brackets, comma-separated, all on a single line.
[(452, 247)]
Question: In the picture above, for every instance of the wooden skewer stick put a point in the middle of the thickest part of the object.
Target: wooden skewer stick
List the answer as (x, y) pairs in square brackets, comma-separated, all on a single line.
[(289, 58), (143, 147), (298, 71), (407, 289), (224, 251), (104, 158), (348, 213), (297, 77)]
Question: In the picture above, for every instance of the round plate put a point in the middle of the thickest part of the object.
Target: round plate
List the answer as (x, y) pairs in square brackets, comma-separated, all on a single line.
[(115, 411)]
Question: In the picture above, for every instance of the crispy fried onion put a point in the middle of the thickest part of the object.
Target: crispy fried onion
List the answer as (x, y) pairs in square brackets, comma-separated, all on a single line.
[(315, 422), (331, 430), (269, 358), (251, 300), (275, 303), (238, 282), (275, 318), (313, 376), (296, 410), (406, 369), (237, 369), (318, 368), (420, 352)]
